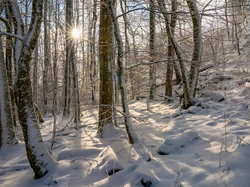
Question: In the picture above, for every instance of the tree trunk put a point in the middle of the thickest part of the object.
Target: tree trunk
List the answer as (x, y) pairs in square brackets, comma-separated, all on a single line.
[(93, 53), (187, 102), (105, 54), (152, 70), (47, 58), (69, 57), (9, 67), (196, 59), (170, 65), (129, 128), (37, 153), (7, 133)]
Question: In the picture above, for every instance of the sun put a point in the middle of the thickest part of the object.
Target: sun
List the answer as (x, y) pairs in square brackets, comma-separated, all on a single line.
[(75, 33)]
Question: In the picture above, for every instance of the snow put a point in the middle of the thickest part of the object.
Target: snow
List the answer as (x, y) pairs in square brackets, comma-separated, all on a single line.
[(206, 145)]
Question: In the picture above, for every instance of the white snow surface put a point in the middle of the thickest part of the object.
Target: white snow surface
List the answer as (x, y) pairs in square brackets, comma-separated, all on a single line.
[(208, 145)]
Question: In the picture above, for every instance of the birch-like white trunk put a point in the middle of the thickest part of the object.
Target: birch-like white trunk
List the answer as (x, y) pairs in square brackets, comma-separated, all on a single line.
[(129, 128), (186, 87), (197, 50)]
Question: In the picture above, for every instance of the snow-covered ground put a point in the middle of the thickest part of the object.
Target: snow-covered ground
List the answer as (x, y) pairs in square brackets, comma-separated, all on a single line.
[(204, 146)]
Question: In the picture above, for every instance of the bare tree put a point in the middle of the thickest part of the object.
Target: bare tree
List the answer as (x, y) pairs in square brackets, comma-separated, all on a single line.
[(129, 128), (189, 82), (37, 153)]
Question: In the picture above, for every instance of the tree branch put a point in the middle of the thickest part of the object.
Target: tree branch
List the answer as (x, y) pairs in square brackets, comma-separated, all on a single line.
[(12, 35)]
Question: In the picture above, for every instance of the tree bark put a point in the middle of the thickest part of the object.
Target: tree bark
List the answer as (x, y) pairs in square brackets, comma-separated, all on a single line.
[(69, 57), (47, 56), (7, 133), (170, 65), (187, 102), (9, 66), (197, 50), (152, 70), (129, 128), (105, 54), (37, 153)]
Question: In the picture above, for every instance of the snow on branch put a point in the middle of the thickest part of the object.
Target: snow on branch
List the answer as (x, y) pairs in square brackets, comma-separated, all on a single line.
[(12, 35)]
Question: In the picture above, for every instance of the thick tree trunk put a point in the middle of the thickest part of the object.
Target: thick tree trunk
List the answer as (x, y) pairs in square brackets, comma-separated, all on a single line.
[(37, 153), (129, 128), (105, 54)]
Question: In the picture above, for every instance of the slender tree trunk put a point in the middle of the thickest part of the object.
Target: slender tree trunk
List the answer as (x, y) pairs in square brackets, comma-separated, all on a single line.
[(170, 65), (7, 133), (127, 47), (19, 30), (9, 66), (83, 46), (93, 53), (46, 56), (129, 128), (196, 59), (152, 70), (35, 74), (105, 54), (226, 17), (186, 87), (55, 78), (69, 57)]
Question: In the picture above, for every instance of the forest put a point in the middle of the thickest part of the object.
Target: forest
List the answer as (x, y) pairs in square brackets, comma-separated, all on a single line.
[(124, 93)]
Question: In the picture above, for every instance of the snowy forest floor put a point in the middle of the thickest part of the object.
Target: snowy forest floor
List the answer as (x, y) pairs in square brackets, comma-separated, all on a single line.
[(207, 145)]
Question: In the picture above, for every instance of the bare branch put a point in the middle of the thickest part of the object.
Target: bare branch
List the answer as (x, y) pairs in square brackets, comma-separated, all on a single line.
[(12, 35)]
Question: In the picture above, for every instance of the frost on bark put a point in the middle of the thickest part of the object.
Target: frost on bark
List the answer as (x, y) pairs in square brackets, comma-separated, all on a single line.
[(189, 82), (7, 133), (129, 128), (105, 54), (196, 59), (187, 102), (37, 153)]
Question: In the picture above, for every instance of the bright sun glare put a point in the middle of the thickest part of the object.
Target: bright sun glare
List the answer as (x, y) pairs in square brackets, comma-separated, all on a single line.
[(75, 33)]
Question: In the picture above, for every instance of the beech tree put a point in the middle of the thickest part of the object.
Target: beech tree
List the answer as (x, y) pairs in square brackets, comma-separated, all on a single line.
[(105, 52)]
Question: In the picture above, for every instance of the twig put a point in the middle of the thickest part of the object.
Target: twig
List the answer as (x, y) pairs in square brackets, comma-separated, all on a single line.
[(67, 124)]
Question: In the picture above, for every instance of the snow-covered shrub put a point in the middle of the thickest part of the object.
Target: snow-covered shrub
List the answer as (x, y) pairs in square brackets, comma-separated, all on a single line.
[(215, 96), (170, 144)]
